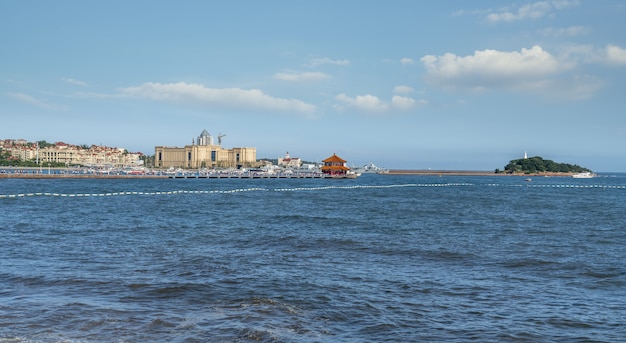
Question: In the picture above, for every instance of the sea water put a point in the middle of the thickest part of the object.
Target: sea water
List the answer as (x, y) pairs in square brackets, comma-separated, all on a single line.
[(380, 258)]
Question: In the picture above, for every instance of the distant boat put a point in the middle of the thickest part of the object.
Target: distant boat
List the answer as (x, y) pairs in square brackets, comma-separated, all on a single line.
[(370, 168), (584, 175)]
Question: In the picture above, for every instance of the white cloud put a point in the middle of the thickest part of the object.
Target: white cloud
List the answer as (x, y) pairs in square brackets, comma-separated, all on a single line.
[(75, 82), (580, 53), (458, 13), (492, 69), (533, 71), (615, 54), (227, 97), (310, 76), (530, 11), (562, 4), (319, 61), (371, 103), (571, 31), (28, 99), (407, 60), (406, 103), (611, 54), (479, 12), (402, 89), (94, 95)]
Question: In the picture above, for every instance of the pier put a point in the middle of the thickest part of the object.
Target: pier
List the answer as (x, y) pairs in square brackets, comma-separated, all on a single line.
[(248, 176), (73, 173)]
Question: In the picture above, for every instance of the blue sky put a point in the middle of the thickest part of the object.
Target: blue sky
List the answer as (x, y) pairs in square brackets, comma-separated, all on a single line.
[(402, 84)]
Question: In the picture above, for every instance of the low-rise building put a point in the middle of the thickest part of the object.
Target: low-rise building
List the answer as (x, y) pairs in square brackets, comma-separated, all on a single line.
[(289, 162), (94, 156)]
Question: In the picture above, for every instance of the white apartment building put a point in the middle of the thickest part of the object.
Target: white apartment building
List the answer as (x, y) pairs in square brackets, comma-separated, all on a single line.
[(289, 162)]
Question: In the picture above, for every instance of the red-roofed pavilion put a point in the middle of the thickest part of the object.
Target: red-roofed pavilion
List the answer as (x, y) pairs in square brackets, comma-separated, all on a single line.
[(335, 166)]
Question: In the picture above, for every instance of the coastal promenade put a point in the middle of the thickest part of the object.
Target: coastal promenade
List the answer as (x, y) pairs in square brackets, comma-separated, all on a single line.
[(78, 176), (167, 176), (69, 173)]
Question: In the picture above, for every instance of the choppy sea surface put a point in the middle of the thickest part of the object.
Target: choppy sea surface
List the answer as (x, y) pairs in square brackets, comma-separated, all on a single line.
[(381, 258)]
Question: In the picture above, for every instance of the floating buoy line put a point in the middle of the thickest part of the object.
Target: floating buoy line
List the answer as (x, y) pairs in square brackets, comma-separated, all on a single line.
[(558, 186), (296, 189)]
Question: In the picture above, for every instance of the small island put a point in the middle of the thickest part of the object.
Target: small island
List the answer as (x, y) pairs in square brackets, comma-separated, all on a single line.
[(539, 166)]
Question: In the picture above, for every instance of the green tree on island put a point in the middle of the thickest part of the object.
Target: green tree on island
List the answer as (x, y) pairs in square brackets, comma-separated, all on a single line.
[(537, 164)]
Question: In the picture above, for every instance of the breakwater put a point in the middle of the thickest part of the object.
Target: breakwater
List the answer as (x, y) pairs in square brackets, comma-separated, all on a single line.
[(468, 173), (438, 172)]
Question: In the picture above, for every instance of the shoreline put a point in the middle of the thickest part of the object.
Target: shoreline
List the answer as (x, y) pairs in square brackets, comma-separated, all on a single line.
[(162, 176), (77, 176)]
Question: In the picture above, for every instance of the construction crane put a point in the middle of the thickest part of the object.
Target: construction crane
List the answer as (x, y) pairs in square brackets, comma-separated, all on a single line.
[(219, 139)]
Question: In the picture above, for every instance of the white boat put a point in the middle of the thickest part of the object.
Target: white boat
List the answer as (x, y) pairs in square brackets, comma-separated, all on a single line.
[(351, 174), (584, 175)]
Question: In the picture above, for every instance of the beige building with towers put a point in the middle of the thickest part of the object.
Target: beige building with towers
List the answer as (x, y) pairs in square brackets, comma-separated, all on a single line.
[(204, 153)]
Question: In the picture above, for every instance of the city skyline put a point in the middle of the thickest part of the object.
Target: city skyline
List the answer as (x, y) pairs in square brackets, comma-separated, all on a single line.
[(403, 84)]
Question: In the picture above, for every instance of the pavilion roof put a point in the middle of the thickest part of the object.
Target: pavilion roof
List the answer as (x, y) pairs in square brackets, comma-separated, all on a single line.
[(334, 158)]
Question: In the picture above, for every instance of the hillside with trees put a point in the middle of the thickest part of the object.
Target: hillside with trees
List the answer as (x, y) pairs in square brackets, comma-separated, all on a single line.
[(537, 164)]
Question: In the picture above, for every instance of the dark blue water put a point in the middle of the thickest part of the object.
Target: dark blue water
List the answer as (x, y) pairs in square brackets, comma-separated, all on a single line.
[(379, 258)]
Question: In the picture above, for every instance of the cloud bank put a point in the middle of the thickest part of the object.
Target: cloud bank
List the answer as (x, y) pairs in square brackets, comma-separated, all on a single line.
[(224, 97), (615, 54), (530, 11), (75, 82), (320, 61), (371, 103), (527, 69), (571, 31), (297, 77), (29, 99), (402, 89)]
